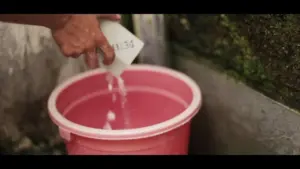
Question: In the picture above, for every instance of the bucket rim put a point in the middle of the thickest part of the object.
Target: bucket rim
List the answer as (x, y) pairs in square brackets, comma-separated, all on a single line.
[(126, 134)]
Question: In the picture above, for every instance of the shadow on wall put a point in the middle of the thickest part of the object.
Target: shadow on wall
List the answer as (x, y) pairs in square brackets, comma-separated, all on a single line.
[(30, 67)]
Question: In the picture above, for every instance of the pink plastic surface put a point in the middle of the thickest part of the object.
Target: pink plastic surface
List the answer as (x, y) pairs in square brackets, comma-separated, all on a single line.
[(152, 98)]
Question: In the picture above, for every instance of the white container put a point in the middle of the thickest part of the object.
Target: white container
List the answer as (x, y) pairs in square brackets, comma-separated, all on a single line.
[(126, 45)]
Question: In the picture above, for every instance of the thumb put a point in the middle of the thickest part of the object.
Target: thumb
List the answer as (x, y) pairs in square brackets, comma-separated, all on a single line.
[(115, 17)]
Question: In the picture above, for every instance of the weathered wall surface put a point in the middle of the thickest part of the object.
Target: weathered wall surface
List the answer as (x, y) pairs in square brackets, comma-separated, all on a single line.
[(30, 67), (261, 50), (236, 119)]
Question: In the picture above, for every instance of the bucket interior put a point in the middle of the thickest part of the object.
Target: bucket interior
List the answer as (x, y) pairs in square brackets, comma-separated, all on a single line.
[(152, 97)]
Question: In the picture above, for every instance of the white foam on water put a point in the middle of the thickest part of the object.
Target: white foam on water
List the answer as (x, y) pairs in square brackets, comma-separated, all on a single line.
[(107, 126), (148, 89), (111, 116), (109, 79), (121, 86), (114, 97), (123, 93)]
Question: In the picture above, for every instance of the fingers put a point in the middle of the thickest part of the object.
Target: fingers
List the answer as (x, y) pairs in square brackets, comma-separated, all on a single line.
[(83, 35), (67, 47), (102, 43), (115, 17), (71, 52), (108, 51), (91, 59)]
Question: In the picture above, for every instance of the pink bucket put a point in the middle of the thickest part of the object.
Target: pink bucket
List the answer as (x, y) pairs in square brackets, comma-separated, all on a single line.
[(160, 105)]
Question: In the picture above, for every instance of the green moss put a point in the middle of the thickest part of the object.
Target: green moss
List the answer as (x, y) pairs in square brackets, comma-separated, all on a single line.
[(261, 50)]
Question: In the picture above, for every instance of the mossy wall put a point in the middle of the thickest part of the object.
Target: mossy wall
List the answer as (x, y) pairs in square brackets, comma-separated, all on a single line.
[(261, 50)]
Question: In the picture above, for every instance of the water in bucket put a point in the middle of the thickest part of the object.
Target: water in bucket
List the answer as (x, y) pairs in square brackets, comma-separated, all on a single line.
[(146, 105)]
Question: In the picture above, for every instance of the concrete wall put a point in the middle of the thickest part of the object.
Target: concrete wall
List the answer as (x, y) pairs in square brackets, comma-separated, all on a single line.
[(30, 67), (236, 119)]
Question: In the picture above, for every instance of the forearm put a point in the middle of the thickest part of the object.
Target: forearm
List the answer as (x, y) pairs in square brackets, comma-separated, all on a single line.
[(47, 20)]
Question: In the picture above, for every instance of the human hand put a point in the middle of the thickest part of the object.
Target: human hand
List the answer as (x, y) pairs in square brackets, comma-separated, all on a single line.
[(81, 34)]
